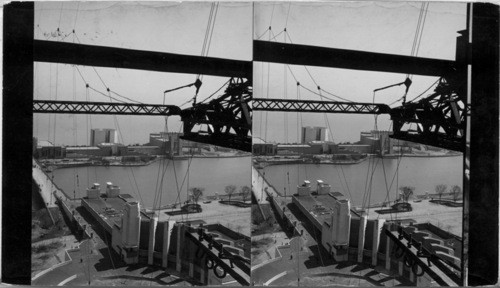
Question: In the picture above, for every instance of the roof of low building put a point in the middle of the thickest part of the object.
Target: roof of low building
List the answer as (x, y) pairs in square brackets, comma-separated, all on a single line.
[(82, 148), (293, 145), (44, 143)]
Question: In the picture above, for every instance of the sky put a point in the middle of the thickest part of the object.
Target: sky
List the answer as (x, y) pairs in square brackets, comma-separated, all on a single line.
[(369, 26), (171, 27), (174, 27)]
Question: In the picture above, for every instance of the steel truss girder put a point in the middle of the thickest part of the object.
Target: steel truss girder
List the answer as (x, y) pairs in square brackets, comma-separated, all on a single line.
[(318, 106), (81, 107), (428, 262), (216, 252), (439, 118), (228, 118)]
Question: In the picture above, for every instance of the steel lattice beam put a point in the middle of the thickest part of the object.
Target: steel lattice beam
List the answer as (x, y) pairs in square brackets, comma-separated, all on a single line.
[(439, 119), (78, 107), (228, 118), (428, 263), (101, 56), (318, 106)]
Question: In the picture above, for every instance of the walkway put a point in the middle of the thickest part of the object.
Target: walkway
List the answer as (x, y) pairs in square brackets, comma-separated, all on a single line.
[(46, 185), (97, 265), (260, 184)]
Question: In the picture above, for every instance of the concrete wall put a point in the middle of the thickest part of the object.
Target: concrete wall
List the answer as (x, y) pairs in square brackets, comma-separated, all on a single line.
[(354, 147), (96, 216), (144, 234), (143, 150), (87, 151), (306, 213), (276, 207), (112, 190), (264, 149), (74, 219), (370, 226), (132, 221), (160, 231)]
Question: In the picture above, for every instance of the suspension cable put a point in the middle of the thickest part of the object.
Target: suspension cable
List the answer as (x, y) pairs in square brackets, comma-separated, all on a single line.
[(425, 91), (209, 32)]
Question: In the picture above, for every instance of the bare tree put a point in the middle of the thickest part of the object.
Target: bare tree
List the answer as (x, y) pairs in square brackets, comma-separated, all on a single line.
[(230, 189), (196, 193), (245, 192), (456, 191), (406, 192), (440, 189)]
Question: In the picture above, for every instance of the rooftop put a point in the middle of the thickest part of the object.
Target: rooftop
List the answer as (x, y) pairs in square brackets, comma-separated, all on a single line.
[(44, 143), (293, 145), (159, 138), (257, 140), (82, 148), (110, 209), (317, 142), (110, 144), (321, 206)]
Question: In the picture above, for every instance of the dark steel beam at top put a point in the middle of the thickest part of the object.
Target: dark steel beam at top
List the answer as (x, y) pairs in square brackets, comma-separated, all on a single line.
[(265, 51), (101, 56)]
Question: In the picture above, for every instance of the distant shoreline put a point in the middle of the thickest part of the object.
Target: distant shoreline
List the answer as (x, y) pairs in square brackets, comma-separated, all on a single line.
[(186, 157), (52, 167), (262, 163)]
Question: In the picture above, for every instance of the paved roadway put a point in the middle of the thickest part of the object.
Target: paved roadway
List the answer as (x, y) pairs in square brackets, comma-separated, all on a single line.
[(94, 264)]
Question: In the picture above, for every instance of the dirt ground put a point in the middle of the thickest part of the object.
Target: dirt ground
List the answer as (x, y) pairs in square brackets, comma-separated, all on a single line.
[(48, 235), (48, 240), (42, 227)]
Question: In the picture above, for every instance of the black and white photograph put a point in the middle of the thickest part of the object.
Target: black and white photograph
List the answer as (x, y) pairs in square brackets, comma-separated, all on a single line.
[(358, 143), (139, 169), (250, 143)]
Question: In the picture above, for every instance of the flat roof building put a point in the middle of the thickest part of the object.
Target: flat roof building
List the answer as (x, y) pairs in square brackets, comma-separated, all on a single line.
[(329, 213), (98, 136), (314, 134)]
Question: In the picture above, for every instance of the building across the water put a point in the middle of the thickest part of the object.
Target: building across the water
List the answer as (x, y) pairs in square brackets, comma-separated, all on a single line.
[(98, 136), (314, 134), (171, 143)]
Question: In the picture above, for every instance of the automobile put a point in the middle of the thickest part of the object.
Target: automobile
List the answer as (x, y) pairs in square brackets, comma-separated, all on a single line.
[(402, 207), (191, 208)]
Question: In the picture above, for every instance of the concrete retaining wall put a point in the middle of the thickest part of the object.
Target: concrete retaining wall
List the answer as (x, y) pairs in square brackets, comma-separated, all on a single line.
[(277, 258)]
